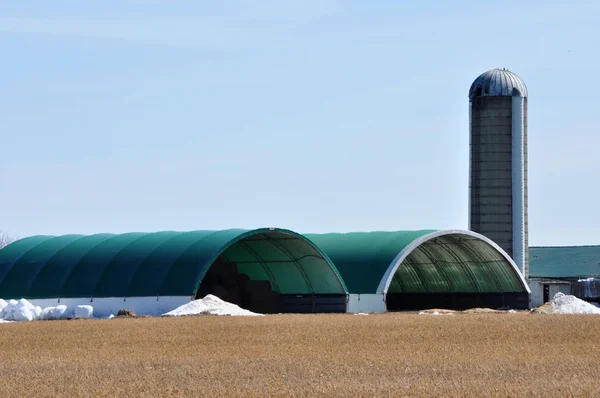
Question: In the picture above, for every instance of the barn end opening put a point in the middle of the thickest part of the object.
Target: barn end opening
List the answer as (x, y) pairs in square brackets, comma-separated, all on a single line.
[(456, 271), (275, 272)]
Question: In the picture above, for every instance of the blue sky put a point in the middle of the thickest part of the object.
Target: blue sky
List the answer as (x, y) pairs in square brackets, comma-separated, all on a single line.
[(316, 116)]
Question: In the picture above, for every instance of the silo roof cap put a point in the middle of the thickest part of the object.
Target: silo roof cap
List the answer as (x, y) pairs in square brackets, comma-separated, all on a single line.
[(498, 83)]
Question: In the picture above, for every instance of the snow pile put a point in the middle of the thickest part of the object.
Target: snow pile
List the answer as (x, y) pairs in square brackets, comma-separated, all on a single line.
[(54, 313), (567, 304), (84, 311), (436, 312), (210, 305), (21, 310)]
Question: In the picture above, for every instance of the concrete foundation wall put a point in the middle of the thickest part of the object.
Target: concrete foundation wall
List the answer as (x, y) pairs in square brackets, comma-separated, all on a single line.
[(366, 303), (103, 307), (537, 293)]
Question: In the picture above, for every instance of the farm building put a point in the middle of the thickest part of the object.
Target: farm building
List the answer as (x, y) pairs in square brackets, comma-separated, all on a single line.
[(263, 270), (411, 270), (568, 269)]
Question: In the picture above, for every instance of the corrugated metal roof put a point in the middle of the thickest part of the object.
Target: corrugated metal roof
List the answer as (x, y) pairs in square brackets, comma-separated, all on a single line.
[(160, 264), (564, 262), (498, 83), (430, 262)]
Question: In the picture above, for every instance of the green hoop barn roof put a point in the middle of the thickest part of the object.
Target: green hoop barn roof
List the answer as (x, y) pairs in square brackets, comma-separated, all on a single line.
[(160, 264), (425, 261)]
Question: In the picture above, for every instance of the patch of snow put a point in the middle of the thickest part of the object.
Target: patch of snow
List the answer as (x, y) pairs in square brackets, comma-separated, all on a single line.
[(567, 304), (3, 321), (210, 305), (512, 311), (59, 312), (361, 313), (111, 316), (21, 310), (3, 304), (434, 313), (590, 279), (45, 315), (84, 311)]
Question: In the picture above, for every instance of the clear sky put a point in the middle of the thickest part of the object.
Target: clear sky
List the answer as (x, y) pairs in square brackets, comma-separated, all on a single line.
[(317, 116)]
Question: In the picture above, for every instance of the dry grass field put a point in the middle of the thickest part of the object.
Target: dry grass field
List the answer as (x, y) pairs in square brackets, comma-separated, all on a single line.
[(304, 355)]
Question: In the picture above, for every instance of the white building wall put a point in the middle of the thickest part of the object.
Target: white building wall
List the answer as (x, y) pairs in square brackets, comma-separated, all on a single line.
[(366, 303), (537, 290), (562, 288), (537, 293), (103, 307)]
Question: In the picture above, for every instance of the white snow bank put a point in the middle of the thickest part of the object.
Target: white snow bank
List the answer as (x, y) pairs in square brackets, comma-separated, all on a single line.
[(210, 305), (567, 304), (21, 310), (58, 312), (3, 304), (84, 311)]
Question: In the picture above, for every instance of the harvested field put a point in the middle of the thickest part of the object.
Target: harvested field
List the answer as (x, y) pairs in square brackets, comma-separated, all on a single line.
[(393, 354)]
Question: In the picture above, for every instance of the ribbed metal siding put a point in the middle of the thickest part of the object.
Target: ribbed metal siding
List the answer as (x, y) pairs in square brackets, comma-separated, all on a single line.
[(526, 195), (491, 170)]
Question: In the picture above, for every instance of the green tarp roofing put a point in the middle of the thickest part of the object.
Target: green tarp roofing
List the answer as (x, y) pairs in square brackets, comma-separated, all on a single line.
[(174, 263), (160, 264), (450, 261)]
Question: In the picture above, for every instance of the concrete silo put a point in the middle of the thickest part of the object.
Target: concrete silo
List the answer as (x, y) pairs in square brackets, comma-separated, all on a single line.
[(498, 162)]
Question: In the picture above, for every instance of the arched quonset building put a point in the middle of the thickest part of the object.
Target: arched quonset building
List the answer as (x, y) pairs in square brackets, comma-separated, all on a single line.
[(498, 162), (411, 270), (266, 270)]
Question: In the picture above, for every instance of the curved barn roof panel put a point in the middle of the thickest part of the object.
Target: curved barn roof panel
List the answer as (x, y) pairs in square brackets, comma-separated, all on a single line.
[(86, 274), (425, 261), (53, 276), (26, 267), (362, 258), (11, 253), (161, 263)]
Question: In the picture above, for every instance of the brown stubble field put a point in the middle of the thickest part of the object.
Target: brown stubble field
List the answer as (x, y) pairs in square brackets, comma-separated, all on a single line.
[(395, 354)]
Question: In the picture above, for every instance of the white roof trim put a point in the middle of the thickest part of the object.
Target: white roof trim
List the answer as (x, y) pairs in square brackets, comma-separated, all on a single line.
[(386, 280)]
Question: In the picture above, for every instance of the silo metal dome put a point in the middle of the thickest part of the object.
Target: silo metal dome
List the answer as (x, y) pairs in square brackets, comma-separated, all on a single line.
[(498, 83)]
